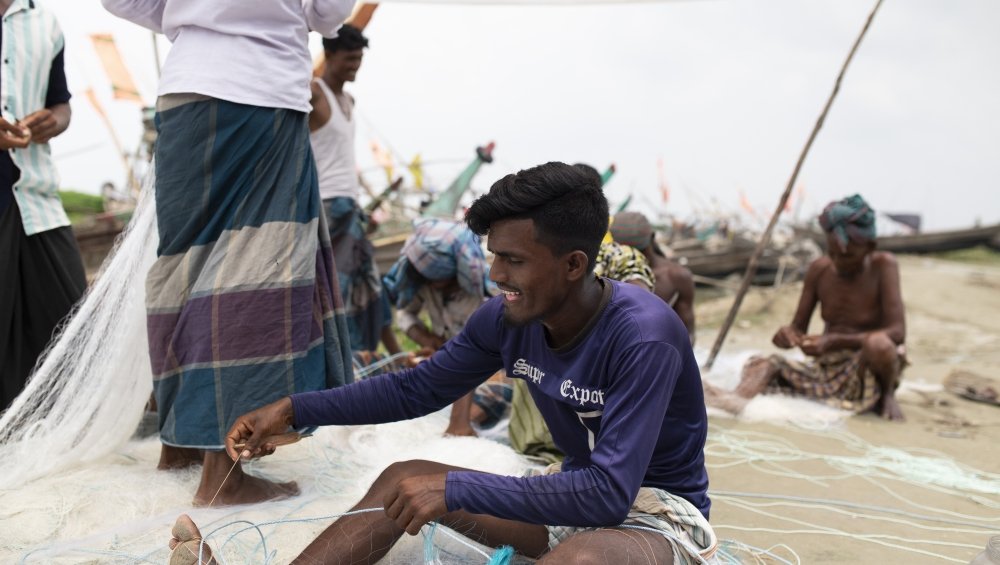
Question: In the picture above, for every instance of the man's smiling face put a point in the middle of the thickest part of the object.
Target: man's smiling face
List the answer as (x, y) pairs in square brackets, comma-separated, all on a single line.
[(533, 279)]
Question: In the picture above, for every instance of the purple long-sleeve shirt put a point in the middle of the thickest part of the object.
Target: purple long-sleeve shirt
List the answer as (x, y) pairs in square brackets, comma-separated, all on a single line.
[(623, 401)]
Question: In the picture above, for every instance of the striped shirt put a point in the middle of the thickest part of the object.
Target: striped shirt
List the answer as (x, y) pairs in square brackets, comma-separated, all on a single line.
[(31, 40)]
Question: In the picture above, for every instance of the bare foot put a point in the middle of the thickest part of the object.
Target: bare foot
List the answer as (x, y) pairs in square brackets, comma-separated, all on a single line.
[(239, 488), (723, 399), (186, 544), (246, 489), (890, 409), (178, 457)]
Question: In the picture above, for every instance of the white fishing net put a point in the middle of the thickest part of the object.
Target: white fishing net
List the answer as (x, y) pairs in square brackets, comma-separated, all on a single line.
[(775, 409), (87, 395), (77, 486), (119, 508)]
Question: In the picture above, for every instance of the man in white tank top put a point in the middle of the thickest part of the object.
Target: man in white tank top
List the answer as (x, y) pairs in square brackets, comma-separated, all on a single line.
[(331, 126)]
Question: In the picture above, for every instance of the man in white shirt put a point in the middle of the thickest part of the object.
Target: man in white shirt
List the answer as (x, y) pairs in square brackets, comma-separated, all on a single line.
[(332, 129), (240, 302)]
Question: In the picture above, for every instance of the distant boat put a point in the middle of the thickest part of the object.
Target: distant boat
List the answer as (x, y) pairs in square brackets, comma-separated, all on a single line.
[(927, 242), (933, 242), (733, 257)]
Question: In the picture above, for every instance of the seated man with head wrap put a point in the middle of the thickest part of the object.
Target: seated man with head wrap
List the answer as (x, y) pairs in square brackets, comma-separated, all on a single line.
[(441, 270), (673, 282), (859, 356)]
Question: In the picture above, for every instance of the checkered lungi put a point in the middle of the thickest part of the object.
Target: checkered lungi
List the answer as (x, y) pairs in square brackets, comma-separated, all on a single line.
[(685, 527), (838, 379), (242, 302)]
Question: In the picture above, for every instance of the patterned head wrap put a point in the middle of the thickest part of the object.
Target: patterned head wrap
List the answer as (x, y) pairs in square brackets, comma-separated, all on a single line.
[(632, 229), (849, 219), (439, 250)]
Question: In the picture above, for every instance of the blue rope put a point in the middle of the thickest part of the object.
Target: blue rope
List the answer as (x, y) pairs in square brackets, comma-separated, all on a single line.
[(430, 552), (503, 555)]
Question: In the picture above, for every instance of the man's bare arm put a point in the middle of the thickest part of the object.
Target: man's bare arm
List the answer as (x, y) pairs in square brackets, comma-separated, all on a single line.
[(789, 336), (893, 312), (320, 113), (424, 337)]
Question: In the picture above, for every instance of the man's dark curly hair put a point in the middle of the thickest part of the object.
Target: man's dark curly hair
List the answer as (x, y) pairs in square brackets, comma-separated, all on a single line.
[(349, 38), (565, 203)]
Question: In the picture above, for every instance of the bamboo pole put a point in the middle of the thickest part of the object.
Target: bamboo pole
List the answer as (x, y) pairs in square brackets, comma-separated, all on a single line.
[(766, 237)]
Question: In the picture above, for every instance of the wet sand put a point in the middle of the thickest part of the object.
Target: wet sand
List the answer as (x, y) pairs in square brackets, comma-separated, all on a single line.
[(953, 323)]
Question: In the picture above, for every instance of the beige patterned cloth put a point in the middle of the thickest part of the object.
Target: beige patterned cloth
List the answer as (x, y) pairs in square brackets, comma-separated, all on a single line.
[(688, 531), (623, 263), (527, 431)]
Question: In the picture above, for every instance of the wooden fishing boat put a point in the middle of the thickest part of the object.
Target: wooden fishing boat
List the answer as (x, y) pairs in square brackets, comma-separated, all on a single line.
[(933, 242), (927, 242), (733, 260)]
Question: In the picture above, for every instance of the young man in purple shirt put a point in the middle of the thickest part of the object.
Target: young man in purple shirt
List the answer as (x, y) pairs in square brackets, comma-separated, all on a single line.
[(609, 365)]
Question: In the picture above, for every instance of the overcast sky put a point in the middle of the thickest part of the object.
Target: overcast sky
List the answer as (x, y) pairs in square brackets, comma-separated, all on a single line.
[(724, 92)]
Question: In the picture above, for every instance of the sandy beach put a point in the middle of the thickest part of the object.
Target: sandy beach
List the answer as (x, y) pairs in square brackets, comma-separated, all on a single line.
[(952, 325), (808, 483)]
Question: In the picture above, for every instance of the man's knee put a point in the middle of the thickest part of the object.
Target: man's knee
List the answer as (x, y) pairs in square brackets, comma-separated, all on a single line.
[(878, 349), (396, 472)]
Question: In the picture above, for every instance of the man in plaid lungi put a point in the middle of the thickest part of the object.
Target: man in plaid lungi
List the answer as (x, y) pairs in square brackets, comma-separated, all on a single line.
[(859, 356)]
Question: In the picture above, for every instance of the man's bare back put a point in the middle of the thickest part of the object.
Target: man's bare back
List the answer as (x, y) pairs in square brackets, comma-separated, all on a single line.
[(674, 285), (673, 282)]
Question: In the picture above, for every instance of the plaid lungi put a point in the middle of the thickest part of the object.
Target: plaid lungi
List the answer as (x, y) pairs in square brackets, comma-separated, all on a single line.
[(365, 304), (692, 538), (838, 379), (242, 301)]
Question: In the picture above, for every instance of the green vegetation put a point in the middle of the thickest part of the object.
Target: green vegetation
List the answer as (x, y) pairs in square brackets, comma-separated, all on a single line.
[(79, 206), (980, 255)]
